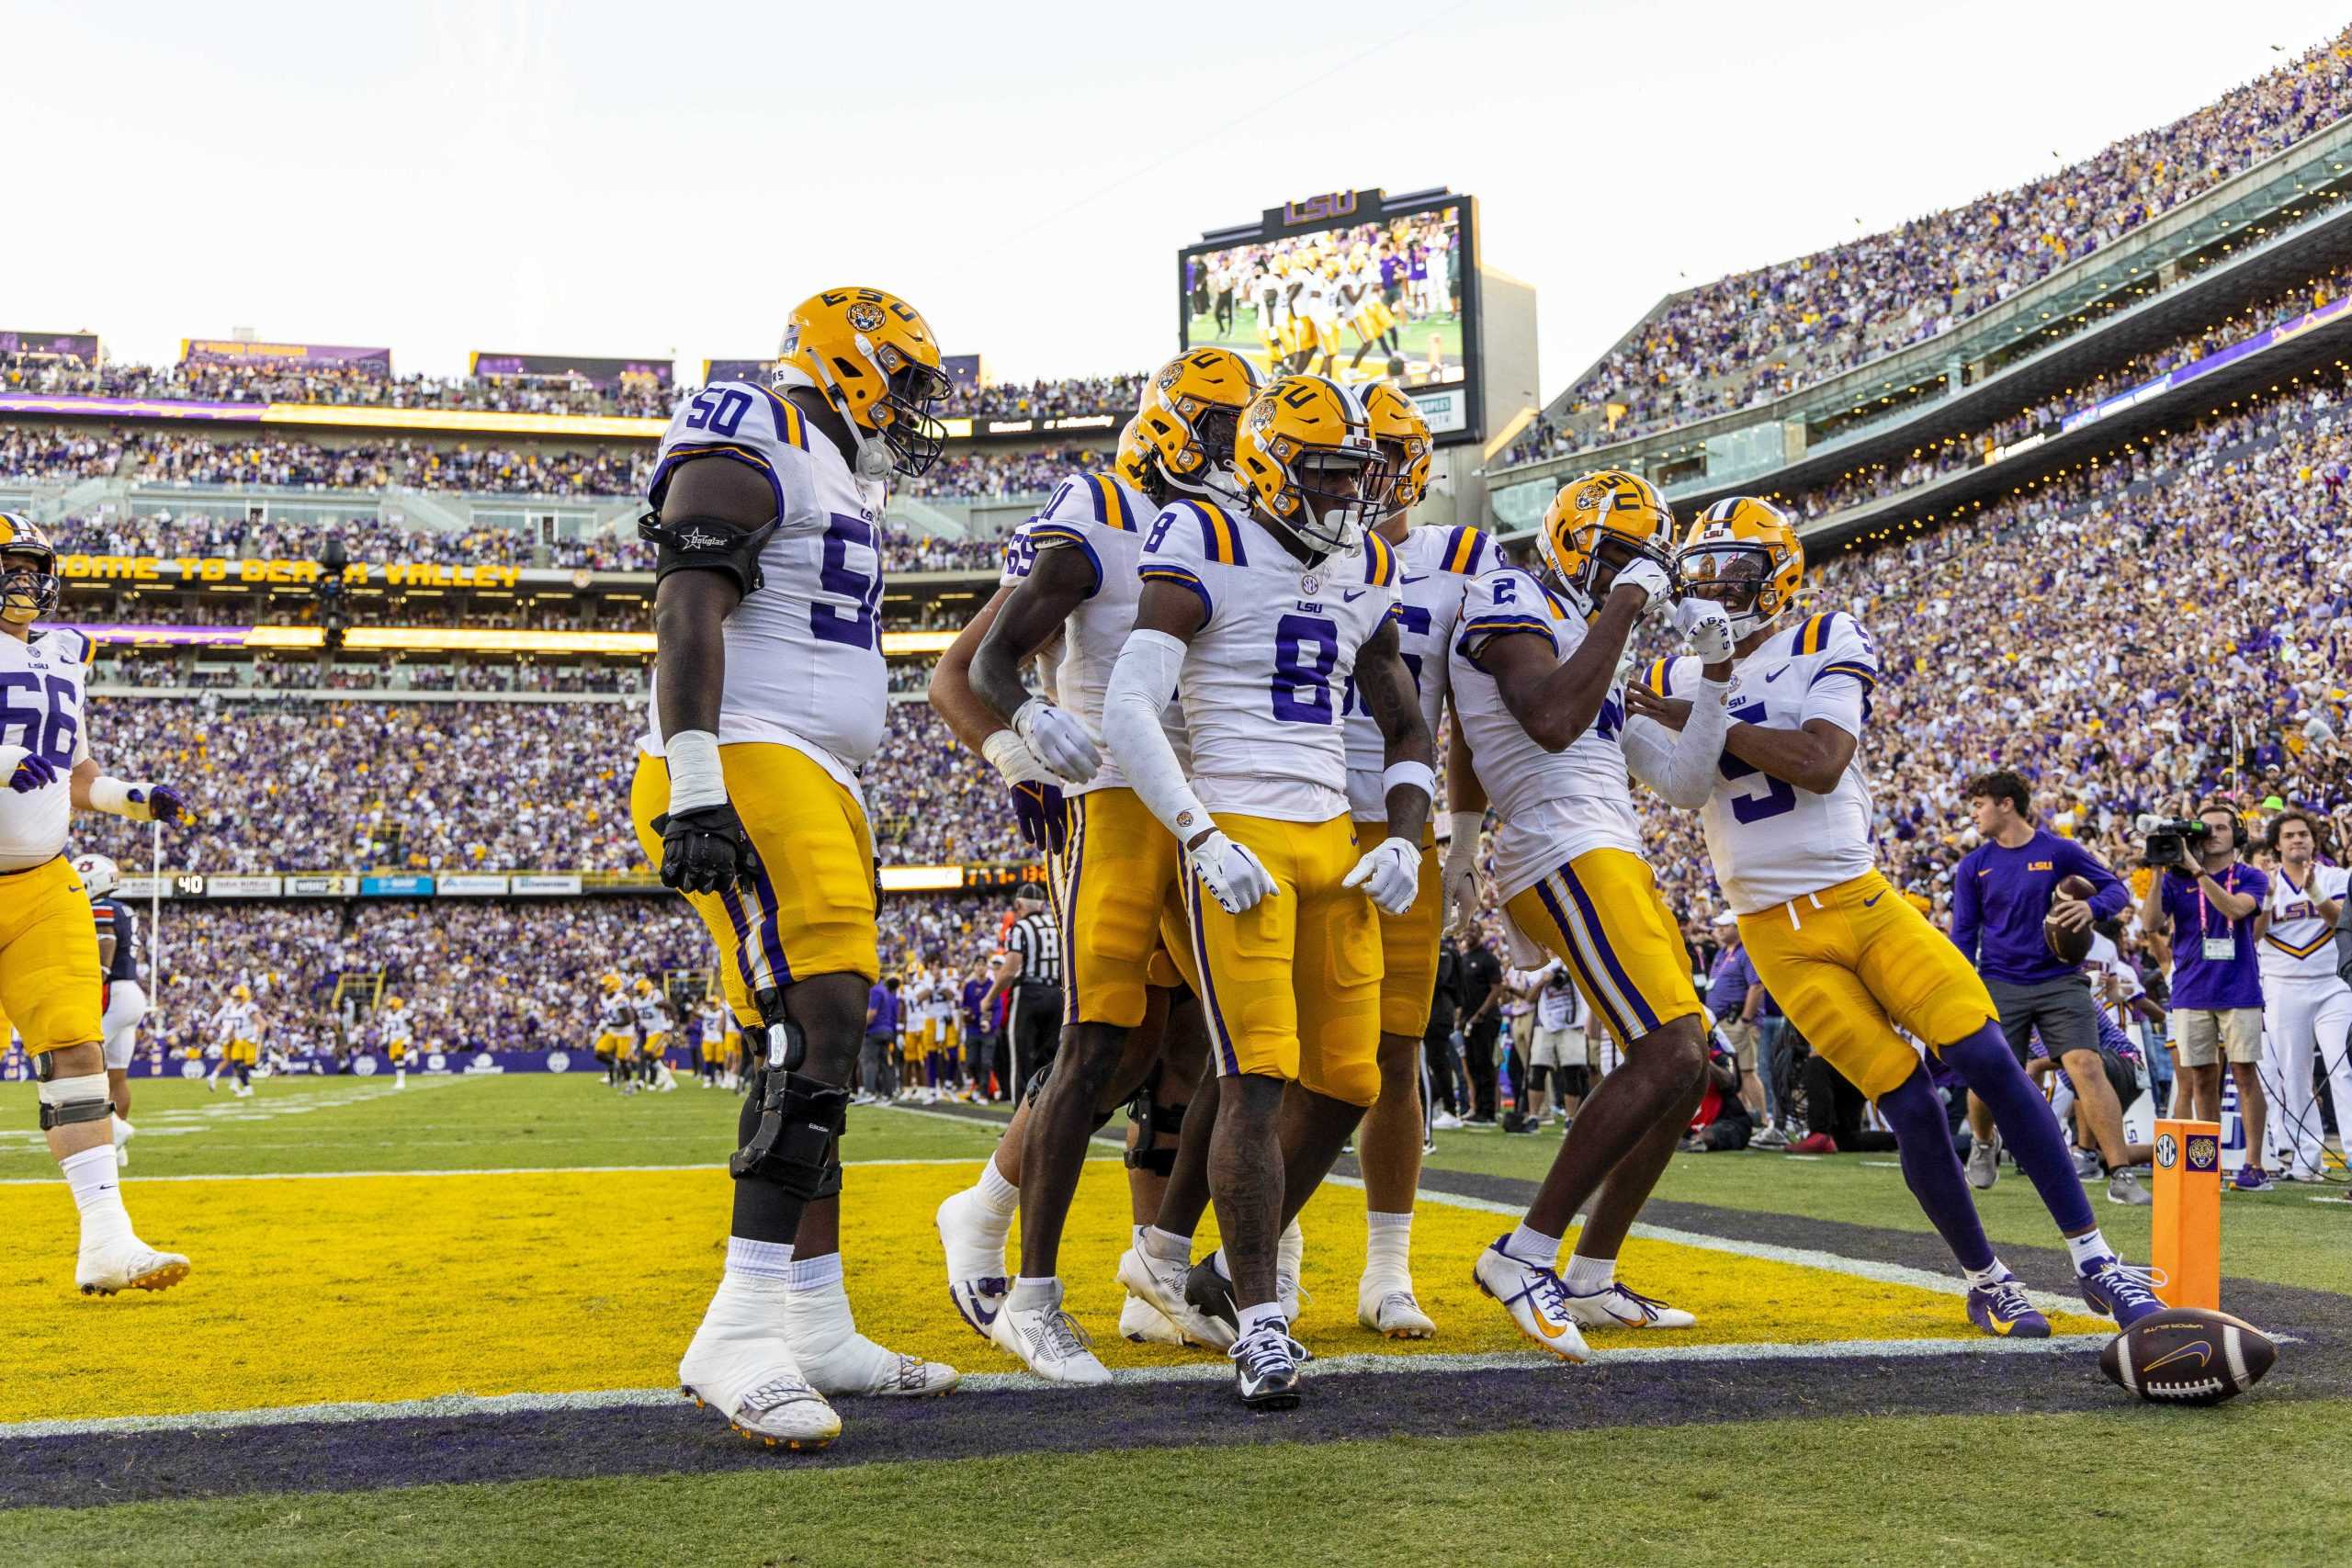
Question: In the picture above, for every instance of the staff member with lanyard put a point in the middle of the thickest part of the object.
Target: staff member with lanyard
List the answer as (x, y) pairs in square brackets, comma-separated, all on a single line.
[(1032, 976), (2213, 914)]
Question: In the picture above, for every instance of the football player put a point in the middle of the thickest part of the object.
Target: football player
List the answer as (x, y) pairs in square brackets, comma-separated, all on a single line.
[(1537, 692), (125, 998), (1788, 824), (51, 984), (710, 1039), (236, 1028), (399, 1036), (616, 1024), (769, 695), (653, 1025), (1264, 616), (1115, 869), (1436, 566)]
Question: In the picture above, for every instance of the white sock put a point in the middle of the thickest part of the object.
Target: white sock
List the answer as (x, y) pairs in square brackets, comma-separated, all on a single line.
[(759, 1259), (817, 1273), (97, 1193), (1166, 1246), (1224, 1269), (1290, 1250), (998, 1196), (1031, 1292), (1257, 1317), (2088, 1248), (1588, 1275), (1533, 1246), (1985, 1279), (1388, 1243), (121, 1130)]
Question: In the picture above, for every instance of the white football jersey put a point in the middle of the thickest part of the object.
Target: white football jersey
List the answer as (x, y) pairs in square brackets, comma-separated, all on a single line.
[(714, 1023), (236, 1020), (1437, 564), (1553, 806), (652, 1014), (616, 1014), (2299, 945), (1263, 678), (1098, 515), (46, 710), (1772, 841), (804, 653), (2105, 961), (398, 1028)]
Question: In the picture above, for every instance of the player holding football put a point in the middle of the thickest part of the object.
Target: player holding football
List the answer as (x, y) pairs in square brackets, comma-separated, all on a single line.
[(769, 695), (1264, 616), (49, 977), (1538, 697), (1788, 823), (1074, 577)]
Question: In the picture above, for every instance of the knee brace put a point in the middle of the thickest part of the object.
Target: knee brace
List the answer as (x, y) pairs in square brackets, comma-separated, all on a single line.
[(64, 1101), (796, 1145), (1152, 1118)]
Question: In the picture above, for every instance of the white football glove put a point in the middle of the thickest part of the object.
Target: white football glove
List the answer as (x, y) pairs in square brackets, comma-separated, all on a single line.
[(1059, 740), (1236, 879), (1010, 755), (1707, 626), (1459, 872), (1650, 578), (1389, 874)]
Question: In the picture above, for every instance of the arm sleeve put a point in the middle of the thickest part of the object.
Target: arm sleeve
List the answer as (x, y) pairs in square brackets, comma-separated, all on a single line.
[(1141, 683), (1967, 915), (2108, 895), (1680, 767)]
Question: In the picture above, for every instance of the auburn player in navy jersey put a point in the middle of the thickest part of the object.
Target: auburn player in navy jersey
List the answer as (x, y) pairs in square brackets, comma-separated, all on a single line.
[(769, 695), (125, 998), (50, 986)]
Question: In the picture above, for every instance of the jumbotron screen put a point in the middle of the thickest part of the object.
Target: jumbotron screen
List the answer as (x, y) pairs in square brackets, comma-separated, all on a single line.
[(1349, 285)]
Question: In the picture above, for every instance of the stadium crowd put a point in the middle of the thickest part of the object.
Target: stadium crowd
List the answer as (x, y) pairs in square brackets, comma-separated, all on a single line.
[(1750, 337)]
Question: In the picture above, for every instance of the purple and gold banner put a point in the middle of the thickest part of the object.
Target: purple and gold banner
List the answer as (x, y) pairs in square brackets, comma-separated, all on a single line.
[(83, 346), (231, 351), (130, 408), (2295, 327), (596, 372), (200, 637)]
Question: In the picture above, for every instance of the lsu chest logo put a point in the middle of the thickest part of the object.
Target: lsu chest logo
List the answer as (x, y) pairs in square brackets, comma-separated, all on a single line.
[(2042, 865)]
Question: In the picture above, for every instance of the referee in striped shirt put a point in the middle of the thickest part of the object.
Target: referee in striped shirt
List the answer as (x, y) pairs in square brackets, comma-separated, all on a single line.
[(1033, 973)]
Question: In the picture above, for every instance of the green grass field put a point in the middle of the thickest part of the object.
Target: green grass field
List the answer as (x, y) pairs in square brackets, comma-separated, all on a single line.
[(1766, 1478)]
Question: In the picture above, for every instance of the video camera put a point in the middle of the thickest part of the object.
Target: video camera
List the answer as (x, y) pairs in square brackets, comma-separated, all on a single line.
[(2169, 839)]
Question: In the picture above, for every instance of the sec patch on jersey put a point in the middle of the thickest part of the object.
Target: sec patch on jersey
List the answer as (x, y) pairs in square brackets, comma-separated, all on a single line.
[(2189, 1356)]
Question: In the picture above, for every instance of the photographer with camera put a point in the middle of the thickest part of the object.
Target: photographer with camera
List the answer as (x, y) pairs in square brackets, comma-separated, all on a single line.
[(2005, 894), (2209, 903)]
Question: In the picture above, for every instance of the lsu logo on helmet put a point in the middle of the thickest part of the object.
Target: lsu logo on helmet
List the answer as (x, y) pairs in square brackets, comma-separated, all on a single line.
[(1189, 413), (1308, 456), (876, 358), (1603, 521), (29, 585), (1744, 553), (1404, 436)]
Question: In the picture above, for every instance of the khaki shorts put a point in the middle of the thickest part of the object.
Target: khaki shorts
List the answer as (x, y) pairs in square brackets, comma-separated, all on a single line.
[(1562, 1047), (1741, 1037), (2206, 1035)]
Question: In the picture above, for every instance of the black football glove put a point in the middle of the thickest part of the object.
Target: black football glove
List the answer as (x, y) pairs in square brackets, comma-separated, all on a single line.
[(705, 849), (1042, 816)]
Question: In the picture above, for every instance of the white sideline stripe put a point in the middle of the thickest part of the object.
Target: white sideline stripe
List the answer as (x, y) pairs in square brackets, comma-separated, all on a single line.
[(1370, 1364), (499, 1170)]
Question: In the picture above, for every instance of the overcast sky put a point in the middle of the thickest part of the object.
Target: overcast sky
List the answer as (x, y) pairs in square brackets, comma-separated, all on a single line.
[(595, 178)]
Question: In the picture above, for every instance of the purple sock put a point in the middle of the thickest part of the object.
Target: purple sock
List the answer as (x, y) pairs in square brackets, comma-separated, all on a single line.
[(2027, 1129), (1932, 1167)]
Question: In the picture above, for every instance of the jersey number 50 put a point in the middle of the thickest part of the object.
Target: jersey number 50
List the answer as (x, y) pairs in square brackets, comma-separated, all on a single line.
[(829, 623)]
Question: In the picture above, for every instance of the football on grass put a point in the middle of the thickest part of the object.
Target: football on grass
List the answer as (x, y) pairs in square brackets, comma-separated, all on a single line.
[(2070, 948), (2189, 1356)]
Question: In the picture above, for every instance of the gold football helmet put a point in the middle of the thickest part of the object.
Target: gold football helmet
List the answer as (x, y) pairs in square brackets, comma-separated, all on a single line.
[(1744, 553), (610, 981), (644, 987), (1404, 437), (241, 993), (394, 1003), (1307, 453), (29, 585), (875, 358), (1133, 464), (1596, 526), (1189, 409)]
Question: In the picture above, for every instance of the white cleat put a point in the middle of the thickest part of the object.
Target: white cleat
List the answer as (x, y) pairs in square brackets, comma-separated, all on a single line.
[(1290, 1256), (1535, 1299), (1386, 1305), (1161, 1284), (129, 1264), (1618, 1307), (1140, 1322), (122, 1135), (740, 1364), (1051, 1344), (977, 1278)]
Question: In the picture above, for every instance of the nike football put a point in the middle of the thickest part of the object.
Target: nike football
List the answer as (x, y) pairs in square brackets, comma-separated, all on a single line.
[(2189, 1356), (2070, 948)]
